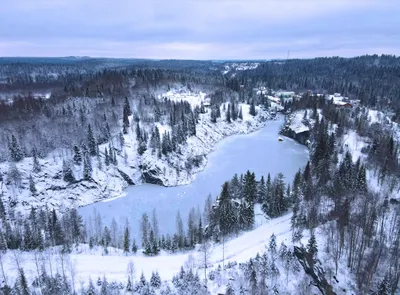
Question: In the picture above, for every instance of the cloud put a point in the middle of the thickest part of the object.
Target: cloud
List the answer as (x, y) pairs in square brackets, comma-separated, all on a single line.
[(200, 29)]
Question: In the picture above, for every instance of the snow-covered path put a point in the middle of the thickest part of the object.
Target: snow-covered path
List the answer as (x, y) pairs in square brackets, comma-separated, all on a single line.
[(247, 245), (91, 264)]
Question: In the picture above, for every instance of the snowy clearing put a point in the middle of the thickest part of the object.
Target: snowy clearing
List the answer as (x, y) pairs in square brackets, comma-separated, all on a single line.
[(177, 95)]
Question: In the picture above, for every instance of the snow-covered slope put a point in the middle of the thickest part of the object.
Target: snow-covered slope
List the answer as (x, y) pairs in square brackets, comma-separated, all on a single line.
[(108, 182), (92, 264)]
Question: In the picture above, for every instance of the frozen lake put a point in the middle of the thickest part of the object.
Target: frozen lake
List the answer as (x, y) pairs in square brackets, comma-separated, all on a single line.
[(260, 152)]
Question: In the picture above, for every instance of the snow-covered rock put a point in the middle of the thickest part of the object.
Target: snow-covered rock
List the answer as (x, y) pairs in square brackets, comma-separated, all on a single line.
[(298, 125)]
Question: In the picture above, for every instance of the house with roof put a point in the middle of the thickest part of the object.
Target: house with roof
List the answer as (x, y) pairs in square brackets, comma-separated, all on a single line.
[(338, 100)]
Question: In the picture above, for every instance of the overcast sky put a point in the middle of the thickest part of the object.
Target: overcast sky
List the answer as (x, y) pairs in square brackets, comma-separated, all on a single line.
[(199, 29)]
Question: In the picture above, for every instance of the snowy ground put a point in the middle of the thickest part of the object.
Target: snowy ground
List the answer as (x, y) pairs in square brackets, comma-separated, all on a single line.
[(354, 143), (88, 264), (92, 264), (244, 66), (178, 95), (296, 120)]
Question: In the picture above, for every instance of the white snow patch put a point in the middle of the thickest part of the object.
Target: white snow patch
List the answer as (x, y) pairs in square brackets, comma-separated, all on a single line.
[(354, 143), (178, 95)]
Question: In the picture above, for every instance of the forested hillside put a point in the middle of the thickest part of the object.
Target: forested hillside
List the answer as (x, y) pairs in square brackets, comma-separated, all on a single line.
[(332, 229), (373, 79)]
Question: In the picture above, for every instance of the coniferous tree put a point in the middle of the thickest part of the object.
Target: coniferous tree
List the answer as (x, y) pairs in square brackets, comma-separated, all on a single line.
[(312, 247), (104, 287), (142, 281), (125, 118), (180, 231), (200, 232), (91, 142), (76, 226), (226, 214), (134, 246), (249, 187), (36, 165), (155, 280), (278, 202), (126, 240), (152, 240), (192, 125), (240, 113), (91, 290), (234, 113), (272, 245), (252, 109), (111, 154), (68, 175), (15, 150), (247, 216), (261, 190), (77, 155), (253, 278), (3, 243), (87, 168), (32, 186), (383, 288), (127, 107), (129, 285), (144, 229), (106, 157), (228, 114), (267, 202), (154, 223), (106, 239), (2, 210), (23, 283), (29, 243), (213, 115), (138, 132)]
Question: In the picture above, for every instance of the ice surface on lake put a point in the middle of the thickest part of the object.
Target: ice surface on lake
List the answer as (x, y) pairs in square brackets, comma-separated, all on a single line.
[(260, 152)]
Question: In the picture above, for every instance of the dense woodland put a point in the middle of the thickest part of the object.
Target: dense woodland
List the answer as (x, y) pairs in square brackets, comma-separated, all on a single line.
[(373, 79), (97, 95), (330, 197)]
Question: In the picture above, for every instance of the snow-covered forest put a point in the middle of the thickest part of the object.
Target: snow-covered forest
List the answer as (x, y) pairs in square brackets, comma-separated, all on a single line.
[(75, 131)]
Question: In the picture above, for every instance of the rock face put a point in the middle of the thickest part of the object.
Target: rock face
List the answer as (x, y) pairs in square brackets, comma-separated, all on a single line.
[(301, 137), (126, 177), (314, 270), (298, 125), (151, 176)]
